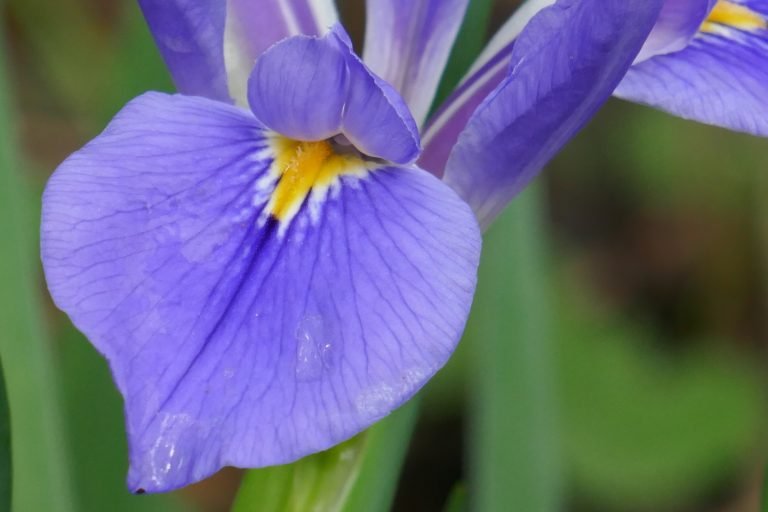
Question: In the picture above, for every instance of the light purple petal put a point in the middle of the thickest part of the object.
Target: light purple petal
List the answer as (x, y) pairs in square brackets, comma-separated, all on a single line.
[(210, 46), (234, 343), (255, 25), (721, 78), (408, 43), (299, 87), (315, 88), (443, 129), (376, 119), (678, 23), (565, 64), (189, 34)]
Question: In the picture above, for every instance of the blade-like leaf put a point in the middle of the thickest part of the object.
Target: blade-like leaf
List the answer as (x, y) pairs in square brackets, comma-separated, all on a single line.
[(764, 500), (40, 478), (514, 461), (5, 447)]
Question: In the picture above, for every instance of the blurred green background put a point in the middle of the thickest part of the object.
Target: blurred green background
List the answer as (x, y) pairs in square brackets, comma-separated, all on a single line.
[(615, 357)]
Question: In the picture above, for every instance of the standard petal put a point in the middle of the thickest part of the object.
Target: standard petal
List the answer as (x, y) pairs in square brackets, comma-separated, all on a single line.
[(720, 78), (408, 43), (235, 342), (253, 26), (488, 71), (565, 64), (678, 23), (189, 34), (311, 88)]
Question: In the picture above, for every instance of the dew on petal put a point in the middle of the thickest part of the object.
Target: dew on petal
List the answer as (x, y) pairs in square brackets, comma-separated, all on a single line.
[(311, 343)]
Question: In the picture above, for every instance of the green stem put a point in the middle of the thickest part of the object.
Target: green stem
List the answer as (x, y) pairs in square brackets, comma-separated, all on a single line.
[(40, 480), (513, 457), (360, 474)]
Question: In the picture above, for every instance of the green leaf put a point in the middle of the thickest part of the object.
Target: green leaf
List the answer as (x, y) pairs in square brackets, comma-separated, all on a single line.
[(40, 477), (514, 459), (5, 448), (359, 474), (764, 500)]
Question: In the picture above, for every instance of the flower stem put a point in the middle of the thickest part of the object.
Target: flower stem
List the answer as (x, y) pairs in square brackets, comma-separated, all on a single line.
[(360, 474)]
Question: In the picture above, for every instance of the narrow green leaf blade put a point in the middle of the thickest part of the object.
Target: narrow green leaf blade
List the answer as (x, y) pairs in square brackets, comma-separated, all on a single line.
[(764, 500), (40, 478), (5, 447), (513, 457)]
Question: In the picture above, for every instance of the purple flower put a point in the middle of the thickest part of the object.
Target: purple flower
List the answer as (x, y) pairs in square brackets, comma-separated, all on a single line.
[(707, 60), (262, 258)]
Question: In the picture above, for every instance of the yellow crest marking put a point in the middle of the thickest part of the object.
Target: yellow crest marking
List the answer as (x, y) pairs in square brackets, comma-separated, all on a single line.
[(301, 167), (730, 14)]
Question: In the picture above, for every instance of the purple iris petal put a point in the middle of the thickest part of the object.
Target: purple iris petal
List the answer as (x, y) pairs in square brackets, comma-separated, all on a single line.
[(490, 68), (210, 46), (720, 78), (565, 64), (189, 34), (253, 26), (678, 23), (314, 88), (299, 87), (237, 339), (408, 42)]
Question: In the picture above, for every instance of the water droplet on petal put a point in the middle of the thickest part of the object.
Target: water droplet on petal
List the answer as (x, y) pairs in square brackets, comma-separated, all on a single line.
[(313, 348)]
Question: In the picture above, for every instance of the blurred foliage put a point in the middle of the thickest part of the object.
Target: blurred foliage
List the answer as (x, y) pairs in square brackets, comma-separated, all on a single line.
[(659, 231), (514, 456), (648, 428), (38, 446)]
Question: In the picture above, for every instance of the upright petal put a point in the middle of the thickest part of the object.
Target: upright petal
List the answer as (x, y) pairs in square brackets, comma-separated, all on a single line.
[(565, 64), (408, 43), (210, 46), (312, 88), (678, 23), (189, 34), (255, 25), (237, 336), (720, 78), (488, 71)]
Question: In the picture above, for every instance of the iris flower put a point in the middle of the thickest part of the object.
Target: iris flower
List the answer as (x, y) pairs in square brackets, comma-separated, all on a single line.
[(286, 251)]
